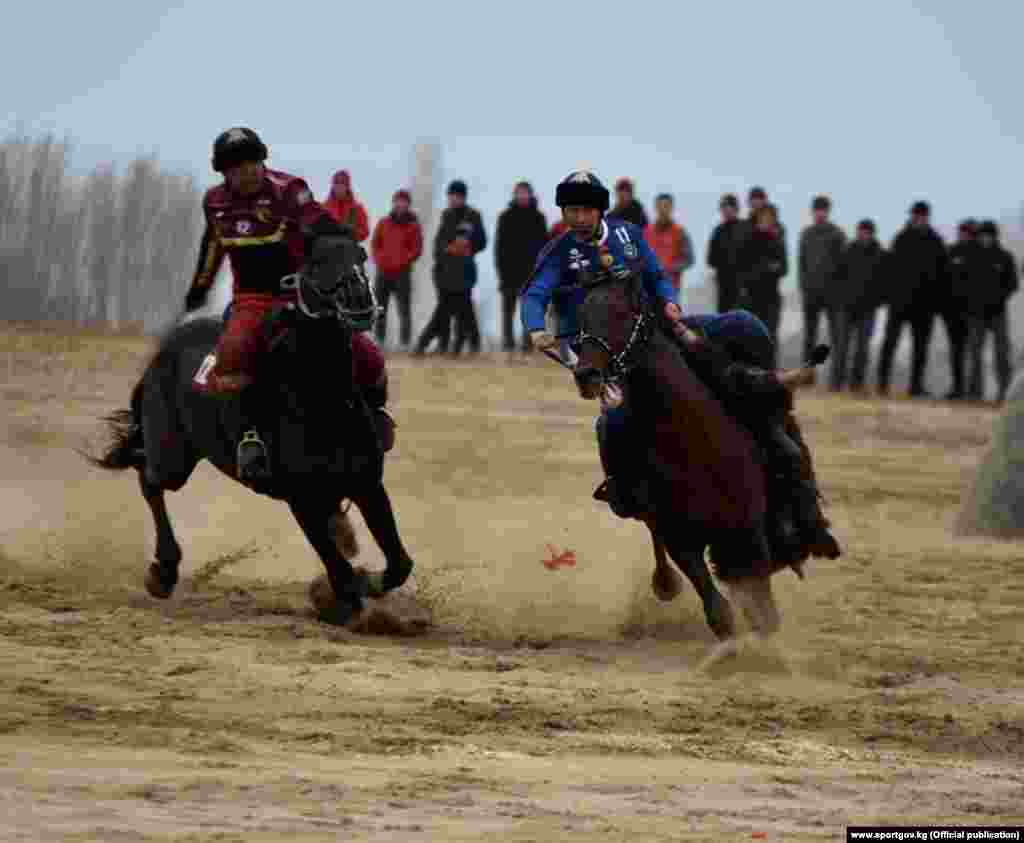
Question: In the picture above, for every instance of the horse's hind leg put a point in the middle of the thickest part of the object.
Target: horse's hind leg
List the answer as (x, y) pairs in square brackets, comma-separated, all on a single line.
[(314, 518), (375, 505), (717, 610), (162, 575)]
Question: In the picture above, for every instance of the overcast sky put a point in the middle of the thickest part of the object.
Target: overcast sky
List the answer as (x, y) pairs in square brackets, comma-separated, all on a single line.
[(877, 103)]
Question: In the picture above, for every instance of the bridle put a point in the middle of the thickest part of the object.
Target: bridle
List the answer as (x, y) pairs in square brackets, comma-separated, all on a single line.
[(621, 364), (367, 312)]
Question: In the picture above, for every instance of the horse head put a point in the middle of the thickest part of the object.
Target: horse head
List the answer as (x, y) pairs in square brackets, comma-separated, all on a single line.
[(333, 299), (333, 283), (614, 323)]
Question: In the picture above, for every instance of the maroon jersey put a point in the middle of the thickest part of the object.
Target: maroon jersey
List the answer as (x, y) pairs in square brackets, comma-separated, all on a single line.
[(262, 235)]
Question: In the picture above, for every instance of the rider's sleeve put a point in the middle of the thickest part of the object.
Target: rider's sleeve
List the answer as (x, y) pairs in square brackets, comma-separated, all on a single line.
[(656, 282), (537, 294), (211, 256)]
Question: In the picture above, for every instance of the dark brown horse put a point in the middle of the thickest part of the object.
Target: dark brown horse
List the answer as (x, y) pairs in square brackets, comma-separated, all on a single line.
[(707, 483)]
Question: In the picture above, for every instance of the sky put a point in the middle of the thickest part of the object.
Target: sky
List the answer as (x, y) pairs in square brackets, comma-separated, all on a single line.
[(876, 103)]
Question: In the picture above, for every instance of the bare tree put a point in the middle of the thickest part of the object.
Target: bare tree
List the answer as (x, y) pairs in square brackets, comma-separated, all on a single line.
[(107, 248)]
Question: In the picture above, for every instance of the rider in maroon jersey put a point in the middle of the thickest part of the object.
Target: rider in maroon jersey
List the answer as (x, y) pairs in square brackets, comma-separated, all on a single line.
[(263, 220)]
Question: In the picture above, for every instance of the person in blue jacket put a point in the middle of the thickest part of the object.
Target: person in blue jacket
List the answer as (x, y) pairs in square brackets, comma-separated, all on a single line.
[(584, 201)]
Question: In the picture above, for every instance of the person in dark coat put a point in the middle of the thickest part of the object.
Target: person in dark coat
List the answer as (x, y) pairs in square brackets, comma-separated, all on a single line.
[(521, 233), (951, 310), (858, 292), (919, 270), (724, 250), (992, 282), (460, 237), (821, 251), (763, 261), (627, 207)]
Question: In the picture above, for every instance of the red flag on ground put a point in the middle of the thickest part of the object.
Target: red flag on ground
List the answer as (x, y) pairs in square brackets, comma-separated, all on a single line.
[(566, 559)]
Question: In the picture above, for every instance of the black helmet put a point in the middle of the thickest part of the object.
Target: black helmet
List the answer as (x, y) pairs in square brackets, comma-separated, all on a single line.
[(582, 188), (236, 146)]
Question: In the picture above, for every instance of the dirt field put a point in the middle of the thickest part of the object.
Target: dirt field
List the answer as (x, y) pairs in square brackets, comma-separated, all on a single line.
[(541, 704)]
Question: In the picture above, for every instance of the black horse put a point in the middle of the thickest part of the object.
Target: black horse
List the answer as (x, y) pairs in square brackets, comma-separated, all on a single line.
[(322, 437)]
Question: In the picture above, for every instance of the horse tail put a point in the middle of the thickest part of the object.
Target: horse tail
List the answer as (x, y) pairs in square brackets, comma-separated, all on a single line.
[(125, 426)]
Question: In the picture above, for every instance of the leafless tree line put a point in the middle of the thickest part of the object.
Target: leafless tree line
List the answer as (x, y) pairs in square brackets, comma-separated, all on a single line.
[(111, 248)]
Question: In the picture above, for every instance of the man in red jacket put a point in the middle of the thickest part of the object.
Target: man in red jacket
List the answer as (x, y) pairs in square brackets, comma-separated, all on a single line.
[(345, 208), (397, 244), (264, 222), (670, 241)]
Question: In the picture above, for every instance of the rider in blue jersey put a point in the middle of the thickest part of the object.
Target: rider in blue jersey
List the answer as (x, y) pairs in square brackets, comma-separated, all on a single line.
[(592, 245)]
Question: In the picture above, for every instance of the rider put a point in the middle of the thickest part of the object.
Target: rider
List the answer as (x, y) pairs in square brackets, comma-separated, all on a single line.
[(265, 221), (592, 245)]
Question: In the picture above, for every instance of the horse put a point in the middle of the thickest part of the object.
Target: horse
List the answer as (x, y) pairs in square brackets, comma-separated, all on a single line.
[(322, 439), (708, 488)]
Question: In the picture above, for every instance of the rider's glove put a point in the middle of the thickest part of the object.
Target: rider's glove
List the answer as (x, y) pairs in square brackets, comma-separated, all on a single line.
[(542, 340)]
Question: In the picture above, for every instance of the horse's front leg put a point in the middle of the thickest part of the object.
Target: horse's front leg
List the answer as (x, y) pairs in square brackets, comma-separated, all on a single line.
[(349, 588), (375, 505), (717, 610), (162, 575), (665, 582)]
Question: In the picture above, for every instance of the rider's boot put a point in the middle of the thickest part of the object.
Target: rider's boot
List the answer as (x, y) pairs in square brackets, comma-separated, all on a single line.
[(624, 488), (802, 519), (376, 397), (252, 455)]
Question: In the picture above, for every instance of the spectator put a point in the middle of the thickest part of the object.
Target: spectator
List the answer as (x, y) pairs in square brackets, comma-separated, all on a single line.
[(919, 268), (819, 257), (764, 264), (521, 233), (954, 312), (670, 241), (757, 198), (859, 292), (991, 286), (627, 207), (345, 208), (724, 252), (397, 244), (459, 238)]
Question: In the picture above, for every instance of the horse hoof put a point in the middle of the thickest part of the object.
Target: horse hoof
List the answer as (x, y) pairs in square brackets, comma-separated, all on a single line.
[(375, 586), (328, 608), (160, 581), (394, 576)]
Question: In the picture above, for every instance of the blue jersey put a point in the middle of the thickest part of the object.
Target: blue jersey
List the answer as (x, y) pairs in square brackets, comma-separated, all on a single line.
[(619, 248)]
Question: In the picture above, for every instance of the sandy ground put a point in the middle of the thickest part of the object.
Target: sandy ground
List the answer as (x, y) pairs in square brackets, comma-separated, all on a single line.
[(540, 704)]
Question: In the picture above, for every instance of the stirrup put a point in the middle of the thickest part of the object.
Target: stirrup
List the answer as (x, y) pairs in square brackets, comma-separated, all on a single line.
[(254, 466)]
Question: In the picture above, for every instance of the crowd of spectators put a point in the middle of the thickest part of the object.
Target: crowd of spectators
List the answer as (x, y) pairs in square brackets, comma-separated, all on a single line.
[(844, 282)]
